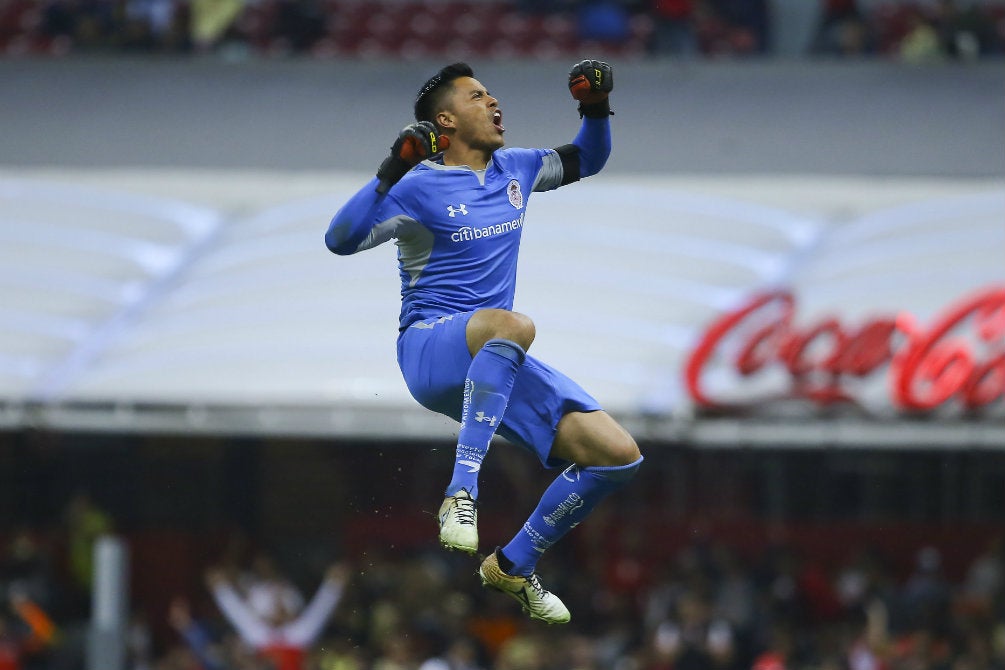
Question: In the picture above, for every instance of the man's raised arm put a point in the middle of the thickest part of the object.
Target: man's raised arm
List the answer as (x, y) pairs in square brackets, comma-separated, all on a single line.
[(590, 82), (352, 226)]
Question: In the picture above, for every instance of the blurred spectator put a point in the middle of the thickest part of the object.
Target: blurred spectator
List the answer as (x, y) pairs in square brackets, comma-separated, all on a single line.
[(926, 595), (964, 34), (921, 43), (779, 579), (396, 653), (691, 639), (985, 581), (148, 24), (211, 20), (298, 25), (85, 523), (460, 654), (198, 639), (26, 635), (207, 652), (27, 568), (269, 593), (523, 652), (780, 652), (90, 24), (842, 30), (747, 26), (272, 623), (870, 649), (603, 21), (736, 596), (674, 29), (924, 648), (859, 580)]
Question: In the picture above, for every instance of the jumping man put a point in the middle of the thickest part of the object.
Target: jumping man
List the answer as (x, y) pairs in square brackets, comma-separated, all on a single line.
[(454, 200)]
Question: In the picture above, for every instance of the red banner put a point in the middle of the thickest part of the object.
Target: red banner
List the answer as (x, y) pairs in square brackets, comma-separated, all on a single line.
[(959, 358)]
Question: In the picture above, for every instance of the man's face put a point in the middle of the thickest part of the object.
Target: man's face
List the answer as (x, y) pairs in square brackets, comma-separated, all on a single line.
[(475, 115)]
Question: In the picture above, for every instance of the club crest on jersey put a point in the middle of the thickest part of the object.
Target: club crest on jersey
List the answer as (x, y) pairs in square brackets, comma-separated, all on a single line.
[(515, 196)]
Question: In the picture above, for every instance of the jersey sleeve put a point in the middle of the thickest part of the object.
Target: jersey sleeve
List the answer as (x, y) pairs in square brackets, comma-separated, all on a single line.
[(594, 143), (585, 157), (367, 220)]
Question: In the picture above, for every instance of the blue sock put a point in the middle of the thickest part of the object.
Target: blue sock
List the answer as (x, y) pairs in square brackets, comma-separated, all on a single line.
[(486, 394), (567, 502)]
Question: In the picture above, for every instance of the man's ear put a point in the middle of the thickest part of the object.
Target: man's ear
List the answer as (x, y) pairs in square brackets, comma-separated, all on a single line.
[(445, 120)]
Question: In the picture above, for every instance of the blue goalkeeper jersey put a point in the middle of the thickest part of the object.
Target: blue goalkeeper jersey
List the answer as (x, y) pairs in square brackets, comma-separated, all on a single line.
[(457, 230)]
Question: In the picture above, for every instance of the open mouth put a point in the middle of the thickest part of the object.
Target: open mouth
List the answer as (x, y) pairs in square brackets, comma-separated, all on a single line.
[(497, 121)]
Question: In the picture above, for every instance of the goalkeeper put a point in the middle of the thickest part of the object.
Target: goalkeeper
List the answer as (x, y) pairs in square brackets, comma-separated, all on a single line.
[(454, 200)]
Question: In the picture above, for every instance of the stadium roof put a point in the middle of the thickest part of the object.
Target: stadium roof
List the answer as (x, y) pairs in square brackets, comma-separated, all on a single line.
[(125, 310)]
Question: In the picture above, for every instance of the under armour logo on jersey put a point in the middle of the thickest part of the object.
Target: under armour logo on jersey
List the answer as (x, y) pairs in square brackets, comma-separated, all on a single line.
[(463, 209), (480, 417)]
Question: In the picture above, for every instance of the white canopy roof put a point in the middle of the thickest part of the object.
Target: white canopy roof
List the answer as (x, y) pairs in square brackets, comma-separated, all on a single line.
[(207, 300)]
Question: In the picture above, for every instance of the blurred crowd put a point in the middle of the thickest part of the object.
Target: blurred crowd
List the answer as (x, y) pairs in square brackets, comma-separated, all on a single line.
[(915, 31), (705, 605)]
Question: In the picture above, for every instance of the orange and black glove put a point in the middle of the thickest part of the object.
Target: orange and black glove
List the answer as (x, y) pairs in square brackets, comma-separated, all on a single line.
[(590, 82), (416, 142)]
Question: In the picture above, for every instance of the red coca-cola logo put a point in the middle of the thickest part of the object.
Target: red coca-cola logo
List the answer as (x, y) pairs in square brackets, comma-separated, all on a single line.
[(959, 358)]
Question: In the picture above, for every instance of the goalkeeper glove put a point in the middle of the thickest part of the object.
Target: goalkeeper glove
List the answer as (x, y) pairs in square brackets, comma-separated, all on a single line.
[(416, 142), (590, 81)]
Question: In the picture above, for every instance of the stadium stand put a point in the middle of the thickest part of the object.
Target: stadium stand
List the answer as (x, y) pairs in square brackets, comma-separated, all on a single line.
[(413, 29)]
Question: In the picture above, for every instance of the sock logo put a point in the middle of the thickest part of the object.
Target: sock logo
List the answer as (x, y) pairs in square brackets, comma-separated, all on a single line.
[(470, 457), (480, 417), (571, 473), (565, 508), (472, 465), (538, 541)]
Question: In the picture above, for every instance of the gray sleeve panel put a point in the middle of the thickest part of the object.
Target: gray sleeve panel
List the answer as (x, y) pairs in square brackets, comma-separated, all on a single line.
[(415, 245), (385, 230), (551, 174)]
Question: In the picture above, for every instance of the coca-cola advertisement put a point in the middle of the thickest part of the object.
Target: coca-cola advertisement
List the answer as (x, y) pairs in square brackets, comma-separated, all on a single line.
[(955, 364), (899, 314)]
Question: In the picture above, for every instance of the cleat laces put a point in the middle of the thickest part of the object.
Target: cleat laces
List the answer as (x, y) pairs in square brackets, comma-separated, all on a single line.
[(535, 584), (464, 511)]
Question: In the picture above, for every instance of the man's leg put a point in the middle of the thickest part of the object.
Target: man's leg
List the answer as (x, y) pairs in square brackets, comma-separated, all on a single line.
[(497, 340), (604, 458), (486, 393)]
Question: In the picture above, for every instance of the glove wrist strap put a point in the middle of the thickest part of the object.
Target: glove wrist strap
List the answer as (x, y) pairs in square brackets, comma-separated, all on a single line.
[(596, 110), (391, 171)]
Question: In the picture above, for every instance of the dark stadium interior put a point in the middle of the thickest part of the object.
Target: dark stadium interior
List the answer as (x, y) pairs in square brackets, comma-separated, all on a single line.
[(185, 504)]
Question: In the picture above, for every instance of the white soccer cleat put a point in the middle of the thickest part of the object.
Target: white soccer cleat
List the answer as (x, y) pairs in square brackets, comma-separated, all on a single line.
[(535, 600), (458, 519)]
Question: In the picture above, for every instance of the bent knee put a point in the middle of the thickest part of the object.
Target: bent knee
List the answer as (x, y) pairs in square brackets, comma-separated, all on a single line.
[(594, 440), (518, 328), (492, 324), (625, 450)]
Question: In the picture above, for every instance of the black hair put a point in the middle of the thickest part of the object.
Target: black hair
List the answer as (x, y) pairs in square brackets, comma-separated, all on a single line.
[(431, 94)]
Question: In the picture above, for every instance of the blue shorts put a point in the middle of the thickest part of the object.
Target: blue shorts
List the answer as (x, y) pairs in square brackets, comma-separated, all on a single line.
[(434, 359)]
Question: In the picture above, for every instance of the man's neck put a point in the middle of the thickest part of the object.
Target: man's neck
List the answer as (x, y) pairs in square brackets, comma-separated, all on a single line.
[(476, 159)]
